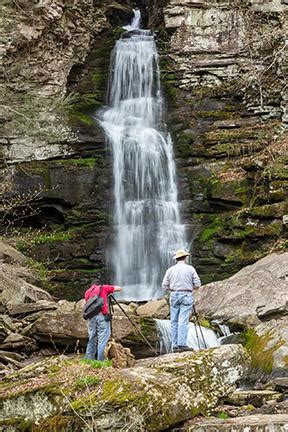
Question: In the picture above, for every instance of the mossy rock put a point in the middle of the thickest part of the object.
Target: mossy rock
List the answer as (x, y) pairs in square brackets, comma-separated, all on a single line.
[(141, 398)]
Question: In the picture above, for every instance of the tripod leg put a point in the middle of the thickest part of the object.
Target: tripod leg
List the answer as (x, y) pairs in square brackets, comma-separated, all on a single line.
[(197, 337), (200, 329)]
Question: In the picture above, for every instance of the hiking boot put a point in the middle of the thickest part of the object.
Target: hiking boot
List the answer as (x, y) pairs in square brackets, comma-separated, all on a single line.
[(184, 348)]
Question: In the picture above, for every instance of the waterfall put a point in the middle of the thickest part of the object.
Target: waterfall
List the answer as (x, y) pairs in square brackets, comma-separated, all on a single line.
[(194, 338), (147, 223)]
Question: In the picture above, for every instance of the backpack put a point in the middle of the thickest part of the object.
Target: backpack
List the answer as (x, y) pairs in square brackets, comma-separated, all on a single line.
[(93, 306)]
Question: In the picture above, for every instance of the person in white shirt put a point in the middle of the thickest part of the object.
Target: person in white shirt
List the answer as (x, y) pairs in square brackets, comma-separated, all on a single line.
[(180, 280)]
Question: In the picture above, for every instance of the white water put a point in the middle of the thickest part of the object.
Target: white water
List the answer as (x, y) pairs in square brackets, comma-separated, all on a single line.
[(194, 339), (135, 23), (146, 214)]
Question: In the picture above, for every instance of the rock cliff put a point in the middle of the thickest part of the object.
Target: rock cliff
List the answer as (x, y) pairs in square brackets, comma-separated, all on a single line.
[(222, 68)]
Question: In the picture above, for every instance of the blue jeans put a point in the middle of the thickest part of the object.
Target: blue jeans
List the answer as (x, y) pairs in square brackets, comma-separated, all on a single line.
[(99, 332), (180, 310)]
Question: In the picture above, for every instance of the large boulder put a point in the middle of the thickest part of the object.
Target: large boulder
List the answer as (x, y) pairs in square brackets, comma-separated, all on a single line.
[(154, 309), (14, 290), (10, 255), (154, 395), (60, 327), (65, 327), (258, 291)]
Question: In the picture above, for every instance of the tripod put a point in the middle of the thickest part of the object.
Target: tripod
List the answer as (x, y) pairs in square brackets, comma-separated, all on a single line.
[(112, 299), (197, 322)]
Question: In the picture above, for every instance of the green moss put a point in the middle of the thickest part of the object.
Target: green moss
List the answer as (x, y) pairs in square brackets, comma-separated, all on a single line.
[(120, 392), (168, 80), (59, 423), (227, 136), (211, 228), (268, 210), (207, 233), (216, 115), (205, 323), (82, 117), (81, 162), (183, 144), (17, 424), (279, 171)]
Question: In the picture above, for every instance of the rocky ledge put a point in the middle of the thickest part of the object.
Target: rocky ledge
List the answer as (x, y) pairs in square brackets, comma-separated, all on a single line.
[(153, 395), (46, 386)]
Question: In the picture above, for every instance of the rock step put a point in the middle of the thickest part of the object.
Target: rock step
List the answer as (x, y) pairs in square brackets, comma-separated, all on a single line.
[(253, 423), (257, 398)]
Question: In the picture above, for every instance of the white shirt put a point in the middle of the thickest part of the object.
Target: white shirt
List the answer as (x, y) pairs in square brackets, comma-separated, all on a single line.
[(181, 277)]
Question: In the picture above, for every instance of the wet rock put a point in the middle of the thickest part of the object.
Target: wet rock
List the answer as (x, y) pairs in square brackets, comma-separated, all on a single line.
[(281, 383), (154, 309)]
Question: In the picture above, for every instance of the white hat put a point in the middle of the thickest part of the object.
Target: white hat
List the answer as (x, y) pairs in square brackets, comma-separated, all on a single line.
[(181, 253)]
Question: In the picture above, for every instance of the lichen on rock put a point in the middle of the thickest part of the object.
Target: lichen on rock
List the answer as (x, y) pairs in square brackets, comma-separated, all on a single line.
[(154, 394)]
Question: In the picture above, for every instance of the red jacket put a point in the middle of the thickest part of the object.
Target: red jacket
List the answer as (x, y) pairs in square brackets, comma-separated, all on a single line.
[(95, 289)]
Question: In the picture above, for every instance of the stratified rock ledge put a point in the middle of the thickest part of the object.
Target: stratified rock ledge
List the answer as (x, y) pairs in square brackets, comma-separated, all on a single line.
[(259, 423)]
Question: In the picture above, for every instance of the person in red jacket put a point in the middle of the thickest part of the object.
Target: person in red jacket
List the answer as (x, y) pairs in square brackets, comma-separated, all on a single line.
[(99, 328)]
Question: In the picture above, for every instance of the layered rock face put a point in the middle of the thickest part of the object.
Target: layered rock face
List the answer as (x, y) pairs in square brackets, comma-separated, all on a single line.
[(223, 66), (56, 153), (223, 71)]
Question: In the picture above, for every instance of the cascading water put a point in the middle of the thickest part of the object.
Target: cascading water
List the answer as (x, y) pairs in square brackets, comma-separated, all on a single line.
[(194, 338), (146, 215)]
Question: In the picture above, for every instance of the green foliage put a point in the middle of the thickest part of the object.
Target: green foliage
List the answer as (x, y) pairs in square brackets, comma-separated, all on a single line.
[(60, 236), (208, 233), (258, 348), (81, 162), (205, 323), (97, 364), (86, 381), (222, 415), (22, 245), (43, 273)]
